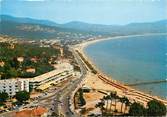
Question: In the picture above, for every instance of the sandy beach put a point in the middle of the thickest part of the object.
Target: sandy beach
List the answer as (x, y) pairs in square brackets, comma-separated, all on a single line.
[(102, 82), (80, 47)]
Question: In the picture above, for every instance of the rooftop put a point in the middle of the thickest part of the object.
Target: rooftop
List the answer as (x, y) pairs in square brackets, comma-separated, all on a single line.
[(35, 112), (13, 80), (60, 68)]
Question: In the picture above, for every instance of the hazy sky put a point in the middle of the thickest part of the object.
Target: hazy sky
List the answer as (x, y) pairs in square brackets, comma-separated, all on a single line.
[(90, 11)]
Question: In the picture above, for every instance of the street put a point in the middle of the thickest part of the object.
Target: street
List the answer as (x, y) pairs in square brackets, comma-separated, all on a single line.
[(64, 98)]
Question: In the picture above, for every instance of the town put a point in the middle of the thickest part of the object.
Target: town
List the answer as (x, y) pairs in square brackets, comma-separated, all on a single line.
[(59, 82), (32, 72), (83, 58)]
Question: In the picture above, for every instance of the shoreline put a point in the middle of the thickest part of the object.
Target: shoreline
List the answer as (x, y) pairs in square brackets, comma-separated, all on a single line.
[(87, 43), (107, 78)]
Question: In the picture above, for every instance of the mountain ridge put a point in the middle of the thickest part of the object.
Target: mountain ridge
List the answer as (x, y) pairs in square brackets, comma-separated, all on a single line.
[(27, 20), (28, 27), (53, 23)]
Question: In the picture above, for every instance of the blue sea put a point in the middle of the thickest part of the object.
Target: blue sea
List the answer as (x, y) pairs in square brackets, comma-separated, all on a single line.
[(133, 60)]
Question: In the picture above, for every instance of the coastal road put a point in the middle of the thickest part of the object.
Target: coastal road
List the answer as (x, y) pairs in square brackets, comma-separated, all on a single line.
[(58, 100), (65, 106)]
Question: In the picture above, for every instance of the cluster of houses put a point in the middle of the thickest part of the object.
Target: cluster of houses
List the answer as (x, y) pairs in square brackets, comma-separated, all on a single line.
[(5, 38)]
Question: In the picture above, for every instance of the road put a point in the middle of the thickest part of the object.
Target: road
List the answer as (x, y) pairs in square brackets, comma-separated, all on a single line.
[(65, 106), (58, 100)]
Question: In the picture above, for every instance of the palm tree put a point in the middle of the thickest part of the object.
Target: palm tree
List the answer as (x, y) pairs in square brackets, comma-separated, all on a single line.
[(121, 99), (127, 103), (107, 99), (111, 98), (101, 106), (115, 97)]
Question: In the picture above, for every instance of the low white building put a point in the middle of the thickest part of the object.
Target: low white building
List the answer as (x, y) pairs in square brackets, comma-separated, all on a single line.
[(44, 81), (11, 86)]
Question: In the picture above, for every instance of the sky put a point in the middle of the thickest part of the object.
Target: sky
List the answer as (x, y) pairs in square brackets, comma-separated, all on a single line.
[(90, 11)]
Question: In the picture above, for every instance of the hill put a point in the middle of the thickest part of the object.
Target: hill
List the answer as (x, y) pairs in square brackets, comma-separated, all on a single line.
[(26, 28), (44, 29), (133, 28), (27, 20)]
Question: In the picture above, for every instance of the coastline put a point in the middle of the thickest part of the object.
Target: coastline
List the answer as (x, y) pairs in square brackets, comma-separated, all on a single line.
[(82, 46), (87, 43)]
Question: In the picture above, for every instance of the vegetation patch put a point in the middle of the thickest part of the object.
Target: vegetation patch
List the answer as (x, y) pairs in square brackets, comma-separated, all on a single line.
[(25, 60)]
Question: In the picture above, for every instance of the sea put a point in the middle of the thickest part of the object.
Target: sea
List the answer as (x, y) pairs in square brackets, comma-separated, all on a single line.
[(136, 61)]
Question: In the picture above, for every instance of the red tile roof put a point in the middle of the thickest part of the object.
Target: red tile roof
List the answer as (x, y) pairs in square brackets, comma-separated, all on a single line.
[(35, 112)]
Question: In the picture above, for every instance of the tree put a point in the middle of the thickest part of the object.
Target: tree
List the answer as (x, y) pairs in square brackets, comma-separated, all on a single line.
[(6, 73), (127, 103), (101, 106), (12, 72), (3, 96), (107, 99), (81, 98), (115, 97), (22, 96), (14, 63), (54, 114), (111, 98), (9, 72), (156, 108), (122, 100), (136, 109)]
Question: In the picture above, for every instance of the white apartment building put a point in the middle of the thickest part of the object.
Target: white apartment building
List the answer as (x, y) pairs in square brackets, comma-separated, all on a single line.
[(11, 86), (44, 81)]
